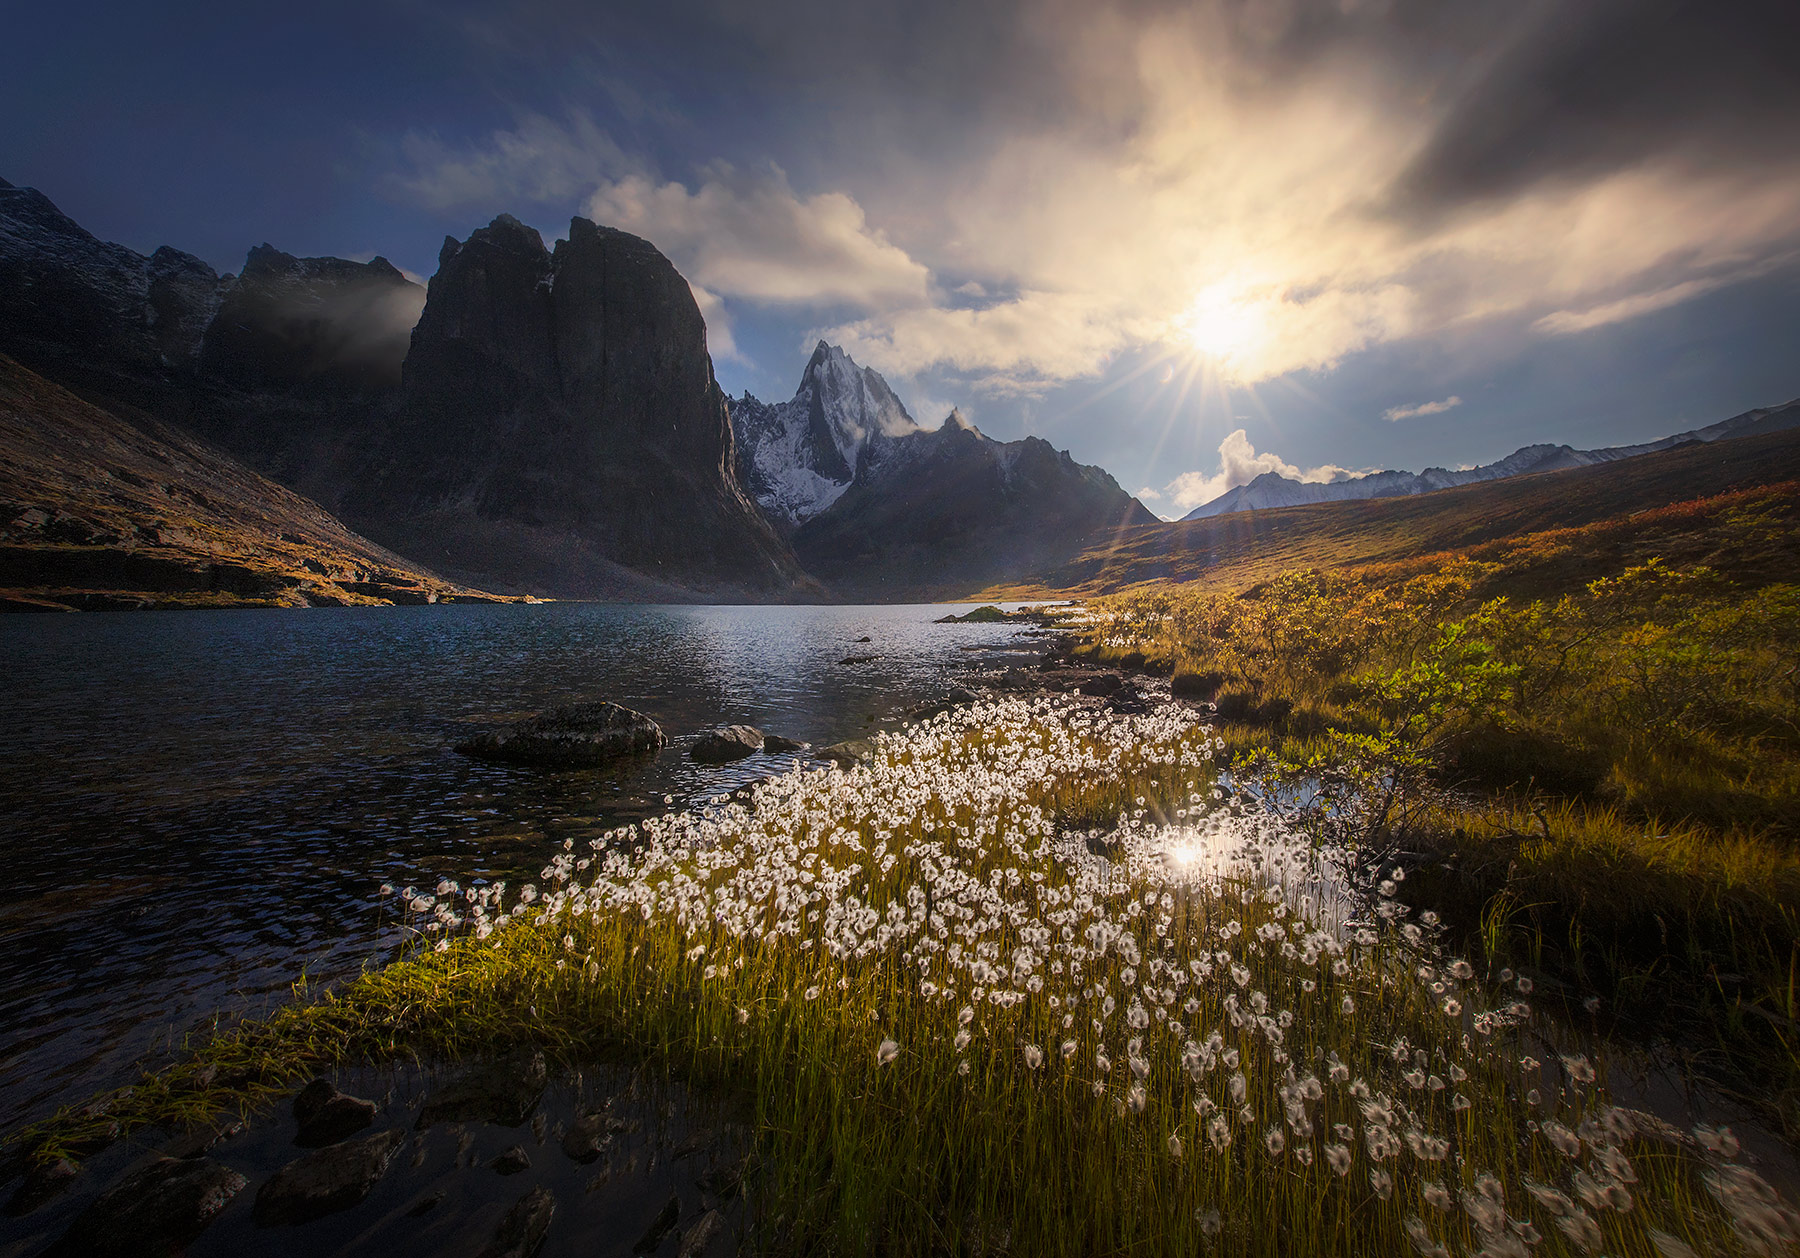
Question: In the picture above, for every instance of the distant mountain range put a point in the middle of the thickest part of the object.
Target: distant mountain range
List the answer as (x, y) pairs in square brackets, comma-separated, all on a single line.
[(1272, 489), (535, 421)]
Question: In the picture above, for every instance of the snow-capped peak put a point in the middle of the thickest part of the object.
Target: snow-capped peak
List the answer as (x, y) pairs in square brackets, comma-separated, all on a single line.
[(798, 457)]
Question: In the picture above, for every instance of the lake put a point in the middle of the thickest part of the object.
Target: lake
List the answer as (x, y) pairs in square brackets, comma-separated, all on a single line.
[(197, 808)]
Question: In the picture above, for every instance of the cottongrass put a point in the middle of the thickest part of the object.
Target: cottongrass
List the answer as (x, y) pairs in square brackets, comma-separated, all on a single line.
[(880, 955)]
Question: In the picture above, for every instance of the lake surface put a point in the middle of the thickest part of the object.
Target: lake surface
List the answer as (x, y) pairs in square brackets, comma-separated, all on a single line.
[(198, 807)]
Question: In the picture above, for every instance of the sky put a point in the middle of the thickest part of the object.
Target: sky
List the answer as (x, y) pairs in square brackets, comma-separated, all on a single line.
[(1187, 242)]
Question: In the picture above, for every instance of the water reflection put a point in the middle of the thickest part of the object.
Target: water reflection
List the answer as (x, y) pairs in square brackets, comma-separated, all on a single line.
[(198, 806)]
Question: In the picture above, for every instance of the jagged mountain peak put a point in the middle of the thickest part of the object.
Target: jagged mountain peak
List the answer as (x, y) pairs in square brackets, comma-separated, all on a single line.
[(797, 457)]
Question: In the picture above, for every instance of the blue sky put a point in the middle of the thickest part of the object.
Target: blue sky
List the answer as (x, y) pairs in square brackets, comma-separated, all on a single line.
[(1187, 242)]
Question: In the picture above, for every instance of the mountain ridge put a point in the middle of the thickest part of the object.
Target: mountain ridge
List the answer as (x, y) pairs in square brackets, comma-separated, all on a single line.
[(1271, 489)]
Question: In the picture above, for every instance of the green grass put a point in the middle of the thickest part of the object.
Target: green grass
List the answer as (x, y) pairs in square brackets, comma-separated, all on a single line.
[(799, 952)]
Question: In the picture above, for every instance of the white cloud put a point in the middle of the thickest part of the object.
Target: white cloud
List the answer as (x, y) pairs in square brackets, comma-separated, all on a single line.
[(1421, 409), (749, 235), (1147, 494), (1564, 322), (1239, 464)]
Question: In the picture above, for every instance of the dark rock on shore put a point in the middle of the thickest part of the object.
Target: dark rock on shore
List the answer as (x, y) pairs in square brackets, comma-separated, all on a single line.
[(160, 1208), (727, 743), (503, 1092), (847, 754), (327, 1115), (586, 1137), (775, 742), (578, 736), (524, 1227), (957, 697), (700, 1234), (327, 1180)]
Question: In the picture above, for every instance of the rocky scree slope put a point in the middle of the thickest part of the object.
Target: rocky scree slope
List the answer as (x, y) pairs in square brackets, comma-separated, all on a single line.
[(98, 513)]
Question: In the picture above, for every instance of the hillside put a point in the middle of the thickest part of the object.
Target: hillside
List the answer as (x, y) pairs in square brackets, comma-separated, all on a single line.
[(99, 513), (1238, 550)]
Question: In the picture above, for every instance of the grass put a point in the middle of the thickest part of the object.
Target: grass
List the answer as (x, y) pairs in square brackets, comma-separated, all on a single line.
[(1585, 737), (960, 1032)]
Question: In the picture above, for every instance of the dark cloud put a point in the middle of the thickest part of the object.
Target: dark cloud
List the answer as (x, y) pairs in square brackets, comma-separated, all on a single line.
[(1581, 90)]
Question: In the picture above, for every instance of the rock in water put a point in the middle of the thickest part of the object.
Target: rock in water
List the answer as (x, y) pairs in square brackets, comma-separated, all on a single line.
[(573, 737), (727, 742), (503, 1092), (775, 742), (158, 1209), (327, 1180), (524, 1227), (327, 1115)]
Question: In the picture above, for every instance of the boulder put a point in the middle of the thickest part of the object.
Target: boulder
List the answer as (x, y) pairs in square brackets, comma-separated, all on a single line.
[(159, 1208), (524, 1227), (327, 1115), (850, 752), (775, 742), (660, 1226), (326, 1180), (512, 1161), (585, 1137), (727, 742), (504, 1092), (577, 736)]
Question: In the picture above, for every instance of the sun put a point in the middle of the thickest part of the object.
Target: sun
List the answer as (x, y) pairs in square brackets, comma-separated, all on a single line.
[(1220, 326)]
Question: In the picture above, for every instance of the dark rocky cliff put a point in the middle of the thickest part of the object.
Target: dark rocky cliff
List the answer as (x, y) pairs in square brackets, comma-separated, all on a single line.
[(559, 429), (315, 325)]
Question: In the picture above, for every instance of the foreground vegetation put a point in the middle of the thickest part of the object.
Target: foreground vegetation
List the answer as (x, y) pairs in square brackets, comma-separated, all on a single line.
[(1585, 741), (964, 1027)]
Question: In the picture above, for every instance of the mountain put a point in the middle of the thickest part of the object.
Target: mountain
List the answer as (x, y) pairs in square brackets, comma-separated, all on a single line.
[(550, 425), (1271, 489), (1653, 498), (798, 457), (66, 294), (933, 514), (313, 324), (97, 512), (558, 427), (880, 508)]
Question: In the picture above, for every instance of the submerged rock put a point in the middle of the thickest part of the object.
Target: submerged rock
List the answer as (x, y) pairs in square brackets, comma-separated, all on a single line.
[(327, 1180), (577, 736), (727, 742), (700, 1234), (326, 1115), (160, 1208), (586, 1137), (524, 1227), (40, 1184), (503, 1092), (775, 742)]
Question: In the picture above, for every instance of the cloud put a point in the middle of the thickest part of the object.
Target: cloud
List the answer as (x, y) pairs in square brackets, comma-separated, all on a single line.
[(749, 235), (1254, 188), (1239, 464), (1423, 408), (540, 160), (1148, 494)]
